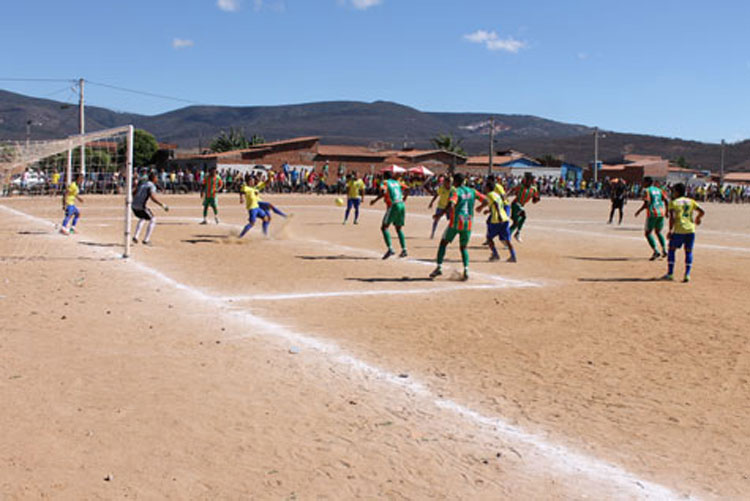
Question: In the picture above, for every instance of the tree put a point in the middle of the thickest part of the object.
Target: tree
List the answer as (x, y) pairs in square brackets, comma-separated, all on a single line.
[(233, 140), (144, 148), (447, 142), (681, 162)]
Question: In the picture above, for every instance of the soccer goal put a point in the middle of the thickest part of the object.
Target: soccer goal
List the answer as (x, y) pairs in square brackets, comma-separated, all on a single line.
[(45, 168)]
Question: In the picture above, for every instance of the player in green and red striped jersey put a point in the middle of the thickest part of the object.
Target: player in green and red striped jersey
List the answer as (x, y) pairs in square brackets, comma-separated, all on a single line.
[(461, 208), (212, 185), (395, 193), (655, 202), (524, 192)]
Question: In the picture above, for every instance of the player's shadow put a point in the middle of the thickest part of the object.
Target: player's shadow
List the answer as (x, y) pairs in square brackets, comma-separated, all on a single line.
[(200, 241), (33, 233), (625, 228), (99, 244), (606, 259), (394, 279), (210, 236), (56, 258), (432, 260), (338, 257), (620, 279)]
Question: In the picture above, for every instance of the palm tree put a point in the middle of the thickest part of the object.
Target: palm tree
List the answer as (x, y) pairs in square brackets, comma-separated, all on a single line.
[(229, 141), (447, 142)]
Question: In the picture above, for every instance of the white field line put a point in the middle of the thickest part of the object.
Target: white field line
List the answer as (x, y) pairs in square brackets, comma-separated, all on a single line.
[(561, 458), (380, 292)]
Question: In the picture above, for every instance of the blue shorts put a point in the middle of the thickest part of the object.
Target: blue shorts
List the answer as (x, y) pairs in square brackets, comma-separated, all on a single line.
[(501, 230), (353, 202), (265, 207), (72, 210), (680, 239), (254, 214), (440, 212)]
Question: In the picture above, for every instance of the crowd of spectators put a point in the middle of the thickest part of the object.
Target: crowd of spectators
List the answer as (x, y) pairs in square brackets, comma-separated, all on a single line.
[(288, 179)]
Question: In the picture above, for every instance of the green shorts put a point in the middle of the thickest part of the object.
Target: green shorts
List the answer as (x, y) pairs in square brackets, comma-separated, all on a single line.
[(209, 202), (395, 215), (464, 236), (655, 223)]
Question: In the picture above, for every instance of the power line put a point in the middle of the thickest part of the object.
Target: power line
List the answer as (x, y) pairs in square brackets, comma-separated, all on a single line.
[(143, 93), (10, 79)]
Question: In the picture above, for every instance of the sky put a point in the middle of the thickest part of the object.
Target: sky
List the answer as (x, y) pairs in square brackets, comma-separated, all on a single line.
[(663, 67)]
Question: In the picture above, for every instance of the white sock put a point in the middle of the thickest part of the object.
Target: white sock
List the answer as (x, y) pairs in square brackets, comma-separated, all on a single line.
[(150, 229), (138, 228)]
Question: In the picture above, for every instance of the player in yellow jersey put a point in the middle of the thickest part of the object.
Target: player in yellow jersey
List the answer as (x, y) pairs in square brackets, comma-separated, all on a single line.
[(250, 195), (70, 196), (498, 224), (682, 223), (355, 194), (442, 195)]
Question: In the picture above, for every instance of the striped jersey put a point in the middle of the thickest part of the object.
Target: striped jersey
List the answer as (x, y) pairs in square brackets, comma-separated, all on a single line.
[(392, 190), (656, 200), (463, 199), (212, 185)]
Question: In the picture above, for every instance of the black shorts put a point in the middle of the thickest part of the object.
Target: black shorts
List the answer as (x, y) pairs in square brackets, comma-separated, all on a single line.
[(143, 214), (618, 203)]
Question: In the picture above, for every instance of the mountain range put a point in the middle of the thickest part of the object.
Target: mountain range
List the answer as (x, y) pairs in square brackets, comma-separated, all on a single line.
[(357, 123)]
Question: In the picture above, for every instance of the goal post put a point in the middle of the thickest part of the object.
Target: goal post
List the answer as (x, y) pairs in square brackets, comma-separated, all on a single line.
[(47, 167)]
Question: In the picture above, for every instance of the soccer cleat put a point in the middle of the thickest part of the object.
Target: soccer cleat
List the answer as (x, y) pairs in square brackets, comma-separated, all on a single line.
[(64, 230), (135, 240), (202, 222), (356, 222), (465, 276), (495, 257), (148, 243), (686, 279), (512, 259), (72, 230), (518, 237), (663, 254), (668, 277), (654, 256), (216, 219), (403, 253), (388, 254), (436, 272)]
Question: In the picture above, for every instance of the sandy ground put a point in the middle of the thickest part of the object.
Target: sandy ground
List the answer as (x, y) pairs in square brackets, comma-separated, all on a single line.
[(304, 367)]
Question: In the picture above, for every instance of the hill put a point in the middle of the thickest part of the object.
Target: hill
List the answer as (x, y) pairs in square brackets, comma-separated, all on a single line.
[(349, 122)]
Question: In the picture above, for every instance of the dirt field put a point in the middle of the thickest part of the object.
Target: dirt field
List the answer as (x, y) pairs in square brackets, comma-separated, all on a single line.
[(305, 367)]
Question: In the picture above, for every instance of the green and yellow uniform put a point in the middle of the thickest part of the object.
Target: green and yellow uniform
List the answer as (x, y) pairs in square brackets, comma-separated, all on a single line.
[(252, 197), (211, 187), (683, 210), (71, 194), (444, 195), (497, 208), (354, 188)]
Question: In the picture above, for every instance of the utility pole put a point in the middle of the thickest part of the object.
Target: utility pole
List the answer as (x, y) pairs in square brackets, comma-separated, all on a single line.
[(721, 165), (81, 127), (492, 144), (596, 155), (28, 134)]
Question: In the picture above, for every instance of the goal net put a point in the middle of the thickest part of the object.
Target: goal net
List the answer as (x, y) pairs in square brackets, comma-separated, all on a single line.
[(38, 168)]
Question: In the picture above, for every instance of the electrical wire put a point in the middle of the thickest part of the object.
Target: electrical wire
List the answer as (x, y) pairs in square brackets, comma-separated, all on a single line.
[(143, 93)]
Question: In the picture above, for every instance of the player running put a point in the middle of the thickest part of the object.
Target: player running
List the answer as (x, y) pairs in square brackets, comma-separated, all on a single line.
[(355, 194), (655, 203), (393, 192), (144, 192), (442, 195), (682, 229), (70, 196), (523, 193), (498, 224), (250, 194), (210, 189), (461, 209)]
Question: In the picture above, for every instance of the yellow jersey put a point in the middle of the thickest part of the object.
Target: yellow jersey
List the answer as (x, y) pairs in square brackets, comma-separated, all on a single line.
[(55, 178), (500, 190), (259, 187), (71, 193), (682, 211), (444, 195), (353, 187), (251, 197), (497, 208)]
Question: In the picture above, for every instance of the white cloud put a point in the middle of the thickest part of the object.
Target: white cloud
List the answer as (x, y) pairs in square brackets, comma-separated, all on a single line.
[(228, 5), (181, 43), (360, 4), (582, 56), (493, 42)]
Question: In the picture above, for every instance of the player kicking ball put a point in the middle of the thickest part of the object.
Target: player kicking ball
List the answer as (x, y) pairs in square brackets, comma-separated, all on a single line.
[(682, 229), (70, 196), (145, 191), (461, 209), (249, 194), (393, 192)]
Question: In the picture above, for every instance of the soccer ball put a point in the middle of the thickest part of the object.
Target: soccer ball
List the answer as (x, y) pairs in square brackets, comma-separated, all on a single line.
[(340, 202)]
